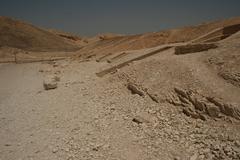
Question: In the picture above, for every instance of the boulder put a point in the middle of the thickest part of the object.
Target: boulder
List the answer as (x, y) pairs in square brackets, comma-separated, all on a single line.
[(212, 110), (49, 83)]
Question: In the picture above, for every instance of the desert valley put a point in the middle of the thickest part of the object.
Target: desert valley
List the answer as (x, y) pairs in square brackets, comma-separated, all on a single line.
[(172, 94)]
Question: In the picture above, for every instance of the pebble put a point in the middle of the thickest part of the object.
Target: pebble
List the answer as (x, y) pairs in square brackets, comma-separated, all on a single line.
[(7, 144), (194, 157), (55, 150), (237, 143), (176, 158), (207, 150), (201, 157), (37, 151)]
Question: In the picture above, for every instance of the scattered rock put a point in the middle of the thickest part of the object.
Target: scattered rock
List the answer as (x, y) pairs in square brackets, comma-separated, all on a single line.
[(187, 112), (97, 147), (137, 120), (181, 92), (196, 105), (231, 110), (7, 144), (237, 144), (50, 83), (134, 89), (55, 65), (215, 101), (199, 105), (154, 97), (225, 108), (183, 100), (194, 157), (212, 110), (143, 117), (203, 117), (176, 158), (56, 78), (55, 150), (231, 77), (37, 151)]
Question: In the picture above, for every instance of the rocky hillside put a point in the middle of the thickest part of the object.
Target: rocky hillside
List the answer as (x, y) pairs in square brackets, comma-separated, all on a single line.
[(176, 101), (148, 40)]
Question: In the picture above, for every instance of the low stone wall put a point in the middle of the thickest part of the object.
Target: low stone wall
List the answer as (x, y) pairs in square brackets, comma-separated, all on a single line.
[(192, 48)]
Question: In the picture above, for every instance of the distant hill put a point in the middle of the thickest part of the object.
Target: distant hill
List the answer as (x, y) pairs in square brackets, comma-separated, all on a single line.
[(18, 34), (21, 35), (204, 31)]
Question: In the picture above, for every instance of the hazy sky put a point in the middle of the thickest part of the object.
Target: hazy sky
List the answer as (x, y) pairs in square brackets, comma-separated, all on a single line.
[(89, 17)]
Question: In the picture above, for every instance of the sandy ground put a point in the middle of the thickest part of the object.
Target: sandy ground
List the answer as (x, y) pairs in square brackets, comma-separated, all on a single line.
[(88, 117)]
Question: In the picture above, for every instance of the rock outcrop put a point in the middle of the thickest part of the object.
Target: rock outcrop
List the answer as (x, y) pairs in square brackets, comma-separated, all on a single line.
[(199, 106)]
